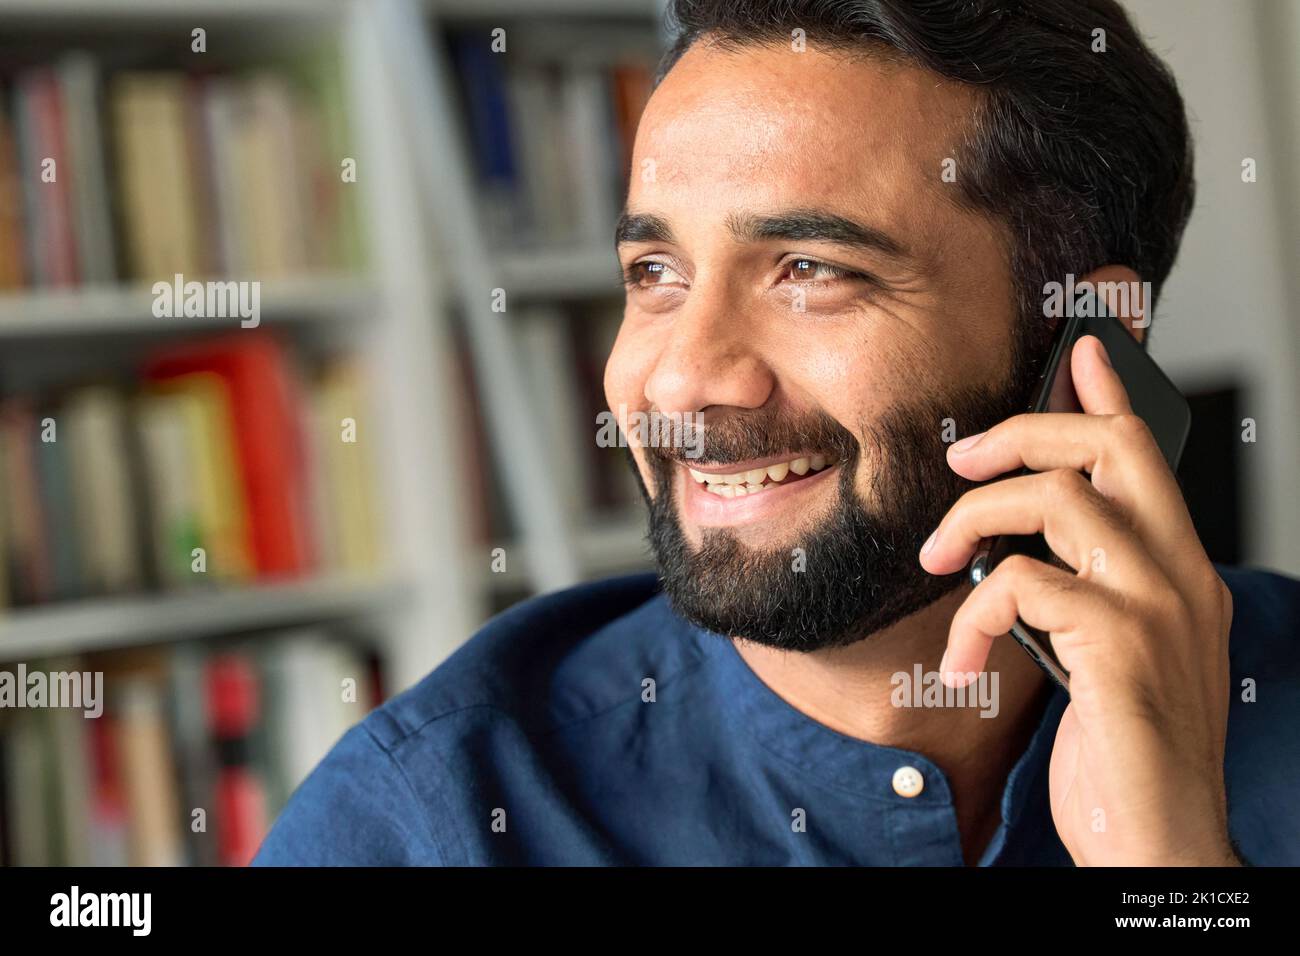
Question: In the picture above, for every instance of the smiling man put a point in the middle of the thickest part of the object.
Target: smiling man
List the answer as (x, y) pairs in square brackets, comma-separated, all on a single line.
[(842, 221)]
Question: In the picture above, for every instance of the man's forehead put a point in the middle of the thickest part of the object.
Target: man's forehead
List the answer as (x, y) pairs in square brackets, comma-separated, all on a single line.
[(775, 127)]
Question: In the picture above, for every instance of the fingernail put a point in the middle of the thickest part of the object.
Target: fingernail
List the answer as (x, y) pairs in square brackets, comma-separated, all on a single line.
[(929, 542), (943, 667), (969, 442)]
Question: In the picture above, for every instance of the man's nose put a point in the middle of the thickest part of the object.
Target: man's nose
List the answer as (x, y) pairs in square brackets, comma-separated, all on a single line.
[(709, 358)]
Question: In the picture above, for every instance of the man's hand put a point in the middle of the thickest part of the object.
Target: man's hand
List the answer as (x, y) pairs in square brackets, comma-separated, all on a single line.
[(1141, 624)]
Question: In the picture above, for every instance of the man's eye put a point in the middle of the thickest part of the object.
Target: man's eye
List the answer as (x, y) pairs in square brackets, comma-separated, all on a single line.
[(649, 273), (811, 270)]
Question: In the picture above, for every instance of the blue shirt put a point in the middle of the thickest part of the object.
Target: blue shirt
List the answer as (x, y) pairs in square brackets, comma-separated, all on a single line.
[(535, 743)]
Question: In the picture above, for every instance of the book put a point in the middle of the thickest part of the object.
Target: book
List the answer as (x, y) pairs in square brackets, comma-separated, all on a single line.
[(109, 818), (202, 402), (551, 133), (632, 81), (28, 543), (149, 112), (58, 516), (271, 190), (71, 748), (170, 481), (532, 91), (344, 436), (30, 794), (148, 773), (220, 105), (196, 761), (78, 79), (198, 747), (263, 393), (483, 81), (304, 673), (234, 702), (47, 178), (337, 228), (95, 432), (13, 252)]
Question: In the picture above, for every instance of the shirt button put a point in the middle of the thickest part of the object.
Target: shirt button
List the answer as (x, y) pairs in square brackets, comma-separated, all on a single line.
[(908, 782)]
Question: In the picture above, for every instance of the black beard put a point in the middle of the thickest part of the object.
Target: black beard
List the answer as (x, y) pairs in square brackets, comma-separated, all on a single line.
[(861, 570)]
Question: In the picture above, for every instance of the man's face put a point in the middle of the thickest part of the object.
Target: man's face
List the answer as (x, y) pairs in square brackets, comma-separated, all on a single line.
[(805, 280)]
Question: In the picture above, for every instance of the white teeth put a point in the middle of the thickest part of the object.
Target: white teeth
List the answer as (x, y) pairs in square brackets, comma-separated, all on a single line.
[(752, 481)]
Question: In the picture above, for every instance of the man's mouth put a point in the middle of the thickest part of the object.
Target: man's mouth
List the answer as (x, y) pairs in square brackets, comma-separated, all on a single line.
[(758, 476)]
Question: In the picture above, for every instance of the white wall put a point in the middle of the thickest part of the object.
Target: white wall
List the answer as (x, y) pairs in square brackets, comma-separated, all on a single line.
[(1229, 308)]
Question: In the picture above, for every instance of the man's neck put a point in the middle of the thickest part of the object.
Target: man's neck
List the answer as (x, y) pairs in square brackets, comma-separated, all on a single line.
[(853, 690)]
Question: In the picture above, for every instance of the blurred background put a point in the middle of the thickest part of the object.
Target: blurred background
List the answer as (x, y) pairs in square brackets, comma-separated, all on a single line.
[(257, 534)]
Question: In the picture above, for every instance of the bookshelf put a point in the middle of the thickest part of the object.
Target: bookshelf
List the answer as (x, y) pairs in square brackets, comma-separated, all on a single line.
[(549, 280), (442, 372), (380, 310), (116, 309), (318, 310), (97, 625)]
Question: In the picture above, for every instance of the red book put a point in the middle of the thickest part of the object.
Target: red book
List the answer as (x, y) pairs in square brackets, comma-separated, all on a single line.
[(109, 820), (265, 403), (56, 239), (234, 709)]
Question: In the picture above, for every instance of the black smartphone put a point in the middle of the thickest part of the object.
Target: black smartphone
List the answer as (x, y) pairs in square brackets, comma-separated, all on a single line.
[(1155, 400)]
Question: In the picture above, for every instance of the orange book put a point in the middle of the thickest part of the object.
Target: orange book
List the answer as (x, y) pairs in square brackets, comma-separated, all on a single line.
[(13, 266), (631, 89)]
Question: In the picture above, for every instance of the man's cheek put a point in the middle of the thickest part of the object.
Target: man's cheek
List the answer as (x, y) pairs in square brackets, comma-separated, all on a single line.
[(643, 467), (617, 384)]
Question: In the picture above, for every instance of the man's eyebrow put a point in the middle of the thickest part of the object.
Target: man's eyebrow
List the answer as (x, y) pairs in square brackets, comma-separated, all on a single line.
[(795, 225), (815, 225), (641, 227)]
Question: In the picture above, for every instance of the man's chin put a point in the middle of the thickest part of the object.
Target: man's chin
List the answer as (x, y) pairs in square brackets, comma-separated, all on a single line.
[(799, 618), (757, 542), (846, 580)]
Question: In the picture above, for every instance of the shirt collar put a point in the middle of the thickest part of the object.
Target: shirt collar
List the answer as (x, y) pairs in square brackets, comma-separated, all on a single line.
[(860, 766)]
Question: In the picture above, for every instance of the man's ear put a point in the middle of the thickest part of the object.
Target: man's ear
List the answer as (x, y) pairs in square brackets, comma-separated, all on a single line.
[(1130, 304)]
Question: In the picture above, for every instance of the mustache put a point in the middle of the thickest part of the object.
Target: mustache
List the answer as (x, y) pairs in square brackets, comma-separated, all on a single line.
[(759, 433)]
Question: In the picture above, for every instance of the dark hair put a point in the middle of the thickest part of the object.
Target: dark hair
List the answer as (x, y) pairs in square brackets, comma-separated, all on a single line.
[(1086, 157)]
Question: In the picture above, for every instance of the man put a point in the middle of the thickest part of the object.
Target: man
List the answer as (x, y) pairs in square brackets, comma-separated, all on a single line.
[(842, 222)]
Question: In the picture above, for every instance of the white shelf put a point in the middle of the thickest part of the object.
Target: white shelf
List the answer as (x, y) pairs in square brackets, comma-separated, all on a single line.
[(614, 546), (154, 9), (101, 623), (129, 308), (560, 273), (617, 546)]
